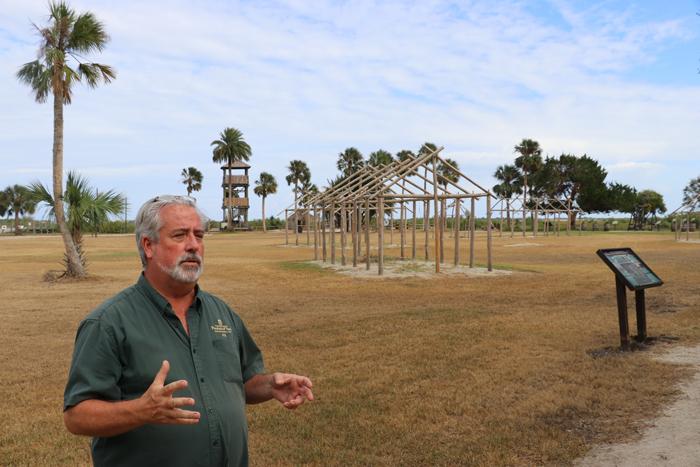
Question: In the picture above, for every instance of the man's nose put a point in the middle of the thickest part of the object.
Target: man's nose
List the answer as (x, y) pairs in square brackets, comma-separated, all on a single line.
[(192, 243)]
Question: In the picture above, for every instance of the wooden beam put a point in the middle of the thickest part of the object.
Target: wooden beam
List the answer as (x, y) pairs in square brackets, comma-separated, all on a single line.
[(472, 229), (488, 233), (380, 232)]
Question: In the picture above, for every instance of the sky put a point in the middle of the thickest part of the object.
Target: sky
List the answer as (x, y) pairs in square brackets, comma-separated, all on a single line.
[(616, 80)]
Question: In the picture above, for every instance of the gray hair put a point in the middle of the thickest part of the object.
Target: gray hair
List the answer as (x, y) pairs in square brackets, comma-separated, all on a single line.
[(148, 222)]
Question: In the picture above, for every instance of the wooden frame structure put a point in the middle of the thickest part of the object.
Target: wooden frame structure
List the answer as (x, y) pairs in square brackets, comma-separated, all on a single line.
[(681, 218), (549, 208), (414, 186)]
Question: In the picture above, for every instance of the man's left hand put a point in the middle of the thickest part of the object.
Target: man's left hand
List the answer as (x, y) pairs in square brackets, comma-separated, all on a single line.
[(291, 390)]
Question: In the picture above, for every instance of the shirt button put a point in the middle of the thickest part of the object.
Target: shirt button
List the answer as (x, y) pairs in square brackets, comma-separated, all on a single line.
[(201, 380), (194, 350), (215, 443), (211, 410)]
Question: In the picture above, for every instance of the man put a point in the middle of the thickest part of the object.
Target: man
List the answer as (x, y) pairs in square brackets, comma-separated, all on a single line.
[(161, 372)]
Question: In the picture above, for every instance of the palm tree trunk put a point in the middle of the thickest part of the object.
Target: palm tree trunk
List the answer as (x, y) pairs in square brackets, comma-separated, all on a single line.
[(16, 229), (263, 213), (74, 267)]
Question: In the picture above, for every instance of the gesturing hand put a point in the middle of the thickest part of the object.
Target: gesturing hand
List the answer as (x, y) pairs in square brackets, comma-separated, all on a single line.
[(291, 390), (159, 405)]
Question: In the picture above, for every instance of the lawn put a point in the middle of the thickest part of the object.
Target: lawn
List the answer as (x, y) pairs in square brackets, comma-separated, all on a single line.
[(509, 369)]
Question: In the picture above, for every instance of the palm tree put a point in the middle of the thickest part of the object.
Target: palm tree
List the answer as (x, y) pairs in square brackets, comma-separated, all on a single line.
[(192, 179), (17, 201), (229, 148), (446, 173), (299, 175), (86, 208), (68, 35), (350, 161), (511, 184), (380, 158), (264, 186), (529, 161)]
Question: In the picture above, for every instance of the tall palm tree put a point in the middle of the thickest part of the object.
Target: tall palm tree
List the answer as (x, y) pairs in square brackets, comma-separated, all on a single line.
[(68, 36), (192, 179), (299, 176), (18, 202), (350, 161), (229, 148), (85, 207), (264, 186), (379, 158), (529, 161)]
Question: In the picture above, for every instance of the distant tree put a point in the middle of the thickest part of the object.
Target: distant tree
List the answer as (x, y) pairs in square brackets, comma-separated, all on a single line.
[(529, 161), (350, 161), (229, 148), (192, 179), (265, 186), (404, 155), (511, 181), (649, 203), (379, 158), (17, 201), (86, 208), (621, 198), (299, 176), (68, 35), (692, 190), (446, 173), (427, 148)]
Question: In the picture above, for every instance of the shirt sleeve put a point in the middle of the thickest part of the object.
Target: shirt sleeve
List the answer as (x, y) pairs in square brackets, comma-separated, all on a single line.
[(251, 356), (95, 369)]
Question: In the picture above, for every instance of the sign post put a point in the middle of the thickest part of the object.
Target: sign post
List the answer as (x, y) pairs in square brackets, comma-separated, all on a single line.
[(632, 272)]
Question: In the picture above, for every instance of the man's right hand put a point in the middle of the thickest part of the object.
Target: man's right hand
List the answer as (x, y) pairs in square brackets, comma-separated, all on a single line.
[(157, 404)]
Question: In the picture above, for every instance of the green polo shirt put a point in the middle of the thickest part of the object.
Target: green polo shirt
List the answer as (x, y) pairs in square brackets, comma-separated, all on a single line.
[(119, 349)]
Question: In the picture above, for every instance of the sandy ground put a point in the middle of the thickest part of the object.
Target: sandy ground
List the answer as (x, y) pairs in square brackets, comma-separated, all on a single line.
[(401, 269), (671, 440)]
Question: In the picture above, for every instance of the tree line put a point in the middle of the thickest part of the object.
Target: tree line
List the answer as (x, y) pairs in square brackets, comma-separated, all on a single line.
[(579, 179)]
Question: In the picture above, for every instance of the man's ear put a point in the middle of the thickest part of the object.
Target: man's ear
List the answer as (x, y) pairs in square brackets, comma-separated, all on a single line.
[(147, 245)]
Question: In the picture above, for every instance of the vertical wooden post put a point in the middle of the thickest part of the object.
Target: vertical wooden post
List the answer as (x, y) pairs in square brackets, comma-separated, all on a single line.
[(472, 229), (687, 226), (380, 235), (456, 228), (524, 215), (622, 312), (331, 226), (323, 232), (343, 238), (315, 234), (641, 315), (413, 233), (286, 227), (296, 225), (489, 234), (426, 227), (443, 223), (308, 228), (367, 230), (402, 229), (353, 225), (391, 225), (500, 221), (436, 218), (512, 219)]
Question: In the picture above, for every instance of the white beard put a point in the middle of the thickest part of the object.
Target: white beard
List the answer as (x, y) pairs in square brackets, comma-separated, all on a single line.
[(181, 273)]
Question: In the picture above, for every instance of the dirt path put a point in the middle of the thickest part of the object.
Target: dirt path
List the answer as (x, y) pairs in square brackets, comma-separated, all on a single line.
[(673, 439)]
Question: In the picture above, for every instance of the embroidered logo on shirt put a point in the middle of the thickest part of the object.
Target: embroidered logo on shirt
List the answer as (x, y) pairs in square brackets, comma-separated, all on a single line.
[(221, 328)]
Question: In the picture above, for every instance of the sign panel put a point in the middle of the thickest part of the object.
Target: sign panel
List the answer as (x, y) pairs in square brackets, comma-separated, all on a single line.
[(629, 267)]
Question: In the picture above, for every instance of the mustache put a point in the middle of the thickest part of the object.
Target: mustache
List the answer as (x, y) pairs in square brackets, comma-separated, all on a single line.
[(189, 257)]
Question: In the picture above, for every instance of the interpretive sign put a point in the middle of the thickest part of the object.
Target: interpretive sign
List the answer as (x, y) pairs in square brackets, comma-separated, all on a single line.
[(632, 272), (625, 262)]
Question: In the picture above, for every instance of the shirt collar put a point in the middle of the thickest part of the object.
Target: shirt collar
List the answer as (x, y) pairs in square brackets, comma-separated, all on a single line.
[(158, 300)]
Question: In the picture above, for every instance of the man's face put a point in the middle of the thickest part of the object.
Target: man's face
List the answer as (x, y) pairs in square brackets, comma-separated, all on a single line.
[(180, 250)]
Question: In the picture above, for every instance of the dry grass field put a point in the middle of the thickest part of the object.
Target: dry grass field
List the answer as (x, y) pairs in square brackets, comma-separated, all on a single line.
[(502, 370)]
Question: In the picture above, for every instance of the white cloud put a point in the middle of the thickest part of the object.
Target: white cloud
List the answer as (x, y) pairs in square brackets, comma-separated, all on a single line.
[(307, 79)]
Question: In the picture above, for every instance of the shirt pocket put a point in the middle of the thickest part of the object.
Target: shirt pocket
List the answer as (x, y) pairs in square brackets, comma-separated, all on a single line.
[(228, 358)]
